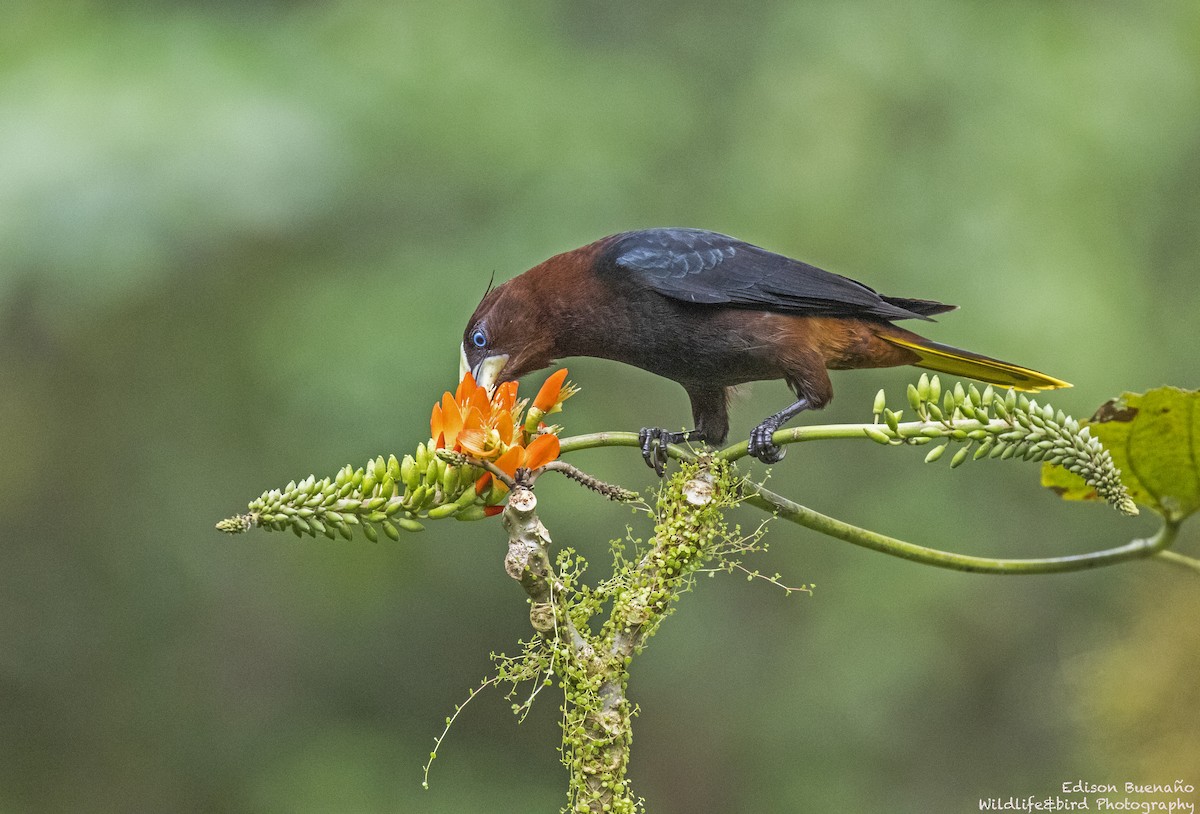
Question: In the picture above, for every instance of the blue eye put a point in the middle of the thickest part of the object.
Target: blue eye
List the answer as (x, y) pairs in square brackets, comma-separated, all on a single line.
[(479, 339)]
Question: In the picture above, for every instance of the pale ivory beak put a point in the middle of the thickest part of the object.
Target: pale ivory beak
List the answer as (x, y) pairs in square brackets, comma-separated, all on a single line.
[(486, 373)]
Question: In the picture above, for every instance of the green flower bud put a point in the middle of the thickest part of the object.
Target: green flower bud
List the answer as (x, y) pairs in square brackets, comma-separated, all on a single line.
[(893, 420), (443, 511), (387, 487), (914, 399), (409, 473), (880, 402), (449, 480), (879, 436)]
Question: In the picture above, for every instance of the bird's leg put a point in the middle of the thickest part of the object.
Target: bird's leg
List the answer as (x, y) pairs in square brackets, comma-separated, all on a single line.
[(654, 442), (761, 446), (711, 415)]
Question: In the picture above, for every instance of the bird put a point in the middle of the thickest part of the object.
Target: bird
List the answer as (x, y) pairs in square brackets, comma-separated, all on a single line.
[(710, 312)]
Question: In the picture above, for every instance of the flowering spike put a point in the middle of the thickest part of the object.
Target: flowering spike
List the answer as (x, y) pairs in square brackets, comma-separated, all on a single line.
[(1005, 426), (440, 479)]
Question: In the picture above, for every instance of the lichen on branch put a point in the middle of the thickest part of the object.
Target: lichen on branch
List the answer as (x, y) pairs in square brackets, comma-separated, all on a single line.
[(591, 665)]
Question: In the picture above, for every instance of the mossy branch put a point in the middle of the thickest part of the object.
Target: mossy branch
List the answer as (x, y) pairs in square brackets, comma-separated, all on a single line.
[(593, 667)]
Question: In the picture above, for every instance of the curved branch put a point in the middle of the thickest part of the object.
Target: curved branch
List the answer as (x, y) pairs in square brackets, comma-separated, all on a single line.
[(804, 516), (832, 527)]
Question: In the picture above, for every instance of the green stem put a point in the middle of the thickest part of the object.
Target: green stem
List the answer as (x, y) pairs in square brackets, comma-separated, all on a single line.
[(1179, 559), (608, 439), (804, 516), (809, 518), (818, 432)]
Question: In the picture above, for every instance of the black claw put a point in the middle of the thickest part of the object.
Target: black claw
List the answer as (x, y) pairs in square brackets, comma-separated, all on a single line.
[(761, 445), (654, 442)]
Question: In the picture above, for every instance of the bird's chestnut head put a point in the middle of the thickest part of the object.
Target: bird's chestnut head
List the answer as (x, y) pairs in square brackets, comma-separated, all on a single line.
[(507, 336)]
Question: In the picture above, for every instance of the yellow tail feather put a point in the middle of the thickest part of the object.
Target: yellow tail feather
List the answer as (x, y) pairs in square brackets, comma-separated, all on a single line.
[(958, 362)]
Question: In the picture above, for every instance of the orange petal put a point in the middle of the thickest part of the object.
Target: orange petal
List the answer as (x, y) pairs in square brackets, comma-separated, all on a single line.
[(465, 388), (482, 483), (511, 460), (504, 427), (548, 395), (473, 419), (506, 396), (479, 401), (542, 451), (473, 442), (435, 422), (492, 511), (451, 420)]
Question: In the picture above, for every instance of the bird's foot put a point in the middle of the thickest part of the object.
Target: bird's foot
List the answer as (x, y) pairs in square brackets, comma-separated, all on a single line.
[(761, 445), (654, 442)]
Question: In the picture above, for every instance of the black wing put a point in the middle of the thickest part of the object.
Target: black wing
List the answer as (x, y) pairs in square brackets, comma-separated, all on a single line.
[(694, 265)]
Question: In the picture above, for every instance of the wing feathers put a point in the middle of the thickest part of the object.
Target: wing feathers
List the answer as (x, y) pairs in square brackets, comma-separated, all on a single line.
[(693, 265)]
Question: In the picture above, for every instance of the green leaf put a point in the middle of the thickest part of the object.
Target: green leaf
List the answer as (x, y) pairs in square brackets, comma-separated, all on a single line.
[(1154, 438)]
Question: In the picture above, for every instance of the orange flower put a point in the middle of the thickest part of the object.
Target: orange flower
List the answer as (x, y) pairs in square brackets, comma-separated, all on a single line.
[(471, 422), (490, 428)]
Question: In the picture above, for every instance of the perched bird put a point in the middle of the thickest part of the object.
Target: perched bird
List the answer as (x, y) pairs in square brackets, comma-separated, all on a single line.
[(710, 312)]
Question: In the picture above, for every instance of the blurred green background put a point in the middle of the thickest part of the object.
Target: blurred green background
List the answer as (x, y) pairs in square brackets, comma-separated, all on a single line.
[(238, 244)]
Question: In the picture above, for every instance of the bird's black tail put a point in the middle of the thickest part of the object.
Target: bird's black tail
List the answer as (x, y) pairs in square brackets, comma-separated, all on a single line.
[(922, 308)]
